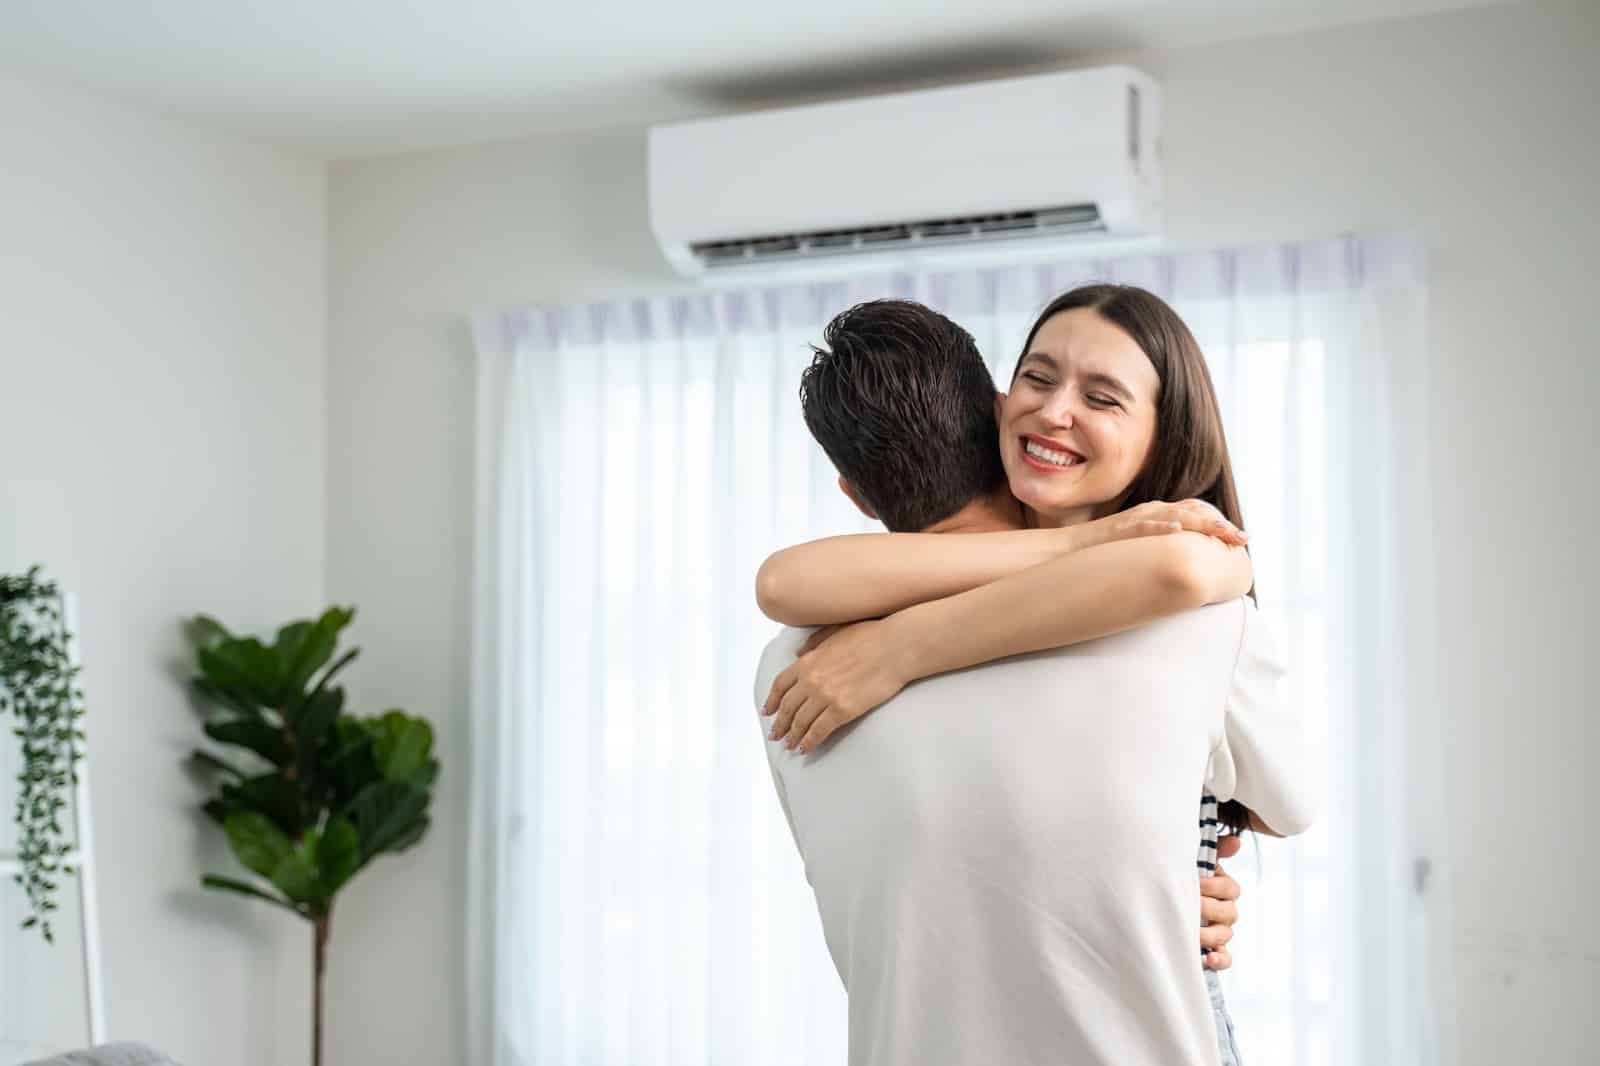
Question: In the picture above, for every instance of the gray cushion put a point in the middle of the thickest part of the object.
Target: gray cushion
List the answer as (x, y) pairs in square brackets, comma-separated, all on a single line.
[(109, 1055)]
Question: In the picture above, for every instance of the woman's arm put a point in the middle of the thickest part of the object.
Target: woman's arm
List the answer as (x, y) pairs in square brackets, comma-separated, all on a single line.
[(1076, 597), (869, 575), (1115, 586)]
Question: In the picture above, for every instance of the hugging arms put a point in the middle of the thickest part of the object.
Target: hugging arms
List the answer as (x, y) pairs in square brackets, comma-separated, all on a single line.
[(941, 602)]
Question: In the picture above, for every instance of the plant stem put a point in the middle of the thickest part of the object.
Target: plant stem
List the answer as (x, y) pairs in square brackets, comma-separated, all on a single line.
[(319, 931)]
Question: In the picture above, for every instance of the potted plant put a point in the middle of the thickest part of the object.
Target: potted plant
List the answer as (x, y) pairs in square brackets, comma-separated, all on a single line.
[(319, 793), (38, 686)]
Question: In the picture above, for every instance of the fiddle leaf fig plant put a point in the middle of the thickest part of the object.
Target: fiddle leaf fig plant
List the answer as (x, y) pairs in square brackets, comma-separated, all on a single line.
[(313, 793)]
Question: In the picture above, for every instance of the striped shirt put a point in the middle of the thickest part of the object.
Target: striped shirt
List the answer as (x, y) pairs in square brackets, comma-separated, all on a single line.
[(1210, 830)]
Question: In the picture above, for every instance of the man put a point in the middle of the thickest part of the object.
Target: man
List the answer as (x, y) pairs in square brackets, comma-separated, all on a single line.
[(938, 836)]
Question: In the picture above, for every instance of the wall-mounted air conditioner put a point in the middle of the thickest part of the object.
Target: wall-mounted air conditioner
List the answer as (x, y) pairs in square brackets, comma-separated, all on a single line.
[(1061, 157)]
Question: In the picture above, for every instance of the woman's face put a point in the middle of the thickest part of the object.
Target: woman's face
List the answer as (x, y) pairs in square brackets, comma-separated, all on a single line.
[(1078, 423)]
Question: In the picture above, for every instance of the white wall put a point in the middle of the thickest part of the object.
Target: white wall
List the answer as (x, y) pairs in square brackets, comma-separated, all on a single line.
[(162, 425), (1476, 129), (414, 243)]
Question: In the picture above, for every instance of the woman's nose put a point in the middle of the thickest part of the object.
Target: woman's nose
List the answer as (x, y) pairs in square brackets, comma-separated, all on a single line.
[(1061, 410)]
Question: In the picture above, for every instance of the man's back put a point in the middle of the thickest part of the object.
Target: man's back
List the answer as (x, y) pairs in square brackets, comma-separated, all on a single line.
[(1003, 857)]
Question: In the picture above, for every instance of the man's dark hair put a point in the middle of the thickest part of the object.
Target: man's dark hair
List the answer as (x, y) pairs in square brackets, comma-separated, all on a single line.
[(903, 404)]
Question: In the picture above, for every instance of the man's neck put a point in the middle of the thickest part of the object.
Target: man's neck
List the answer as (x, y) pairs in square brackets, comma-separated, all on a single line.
[(995, 512)]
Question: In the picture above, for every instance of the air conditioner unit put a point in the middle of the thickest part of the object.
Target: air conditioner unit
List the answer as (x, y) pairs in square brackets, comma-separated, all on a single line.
[(1065, 156)]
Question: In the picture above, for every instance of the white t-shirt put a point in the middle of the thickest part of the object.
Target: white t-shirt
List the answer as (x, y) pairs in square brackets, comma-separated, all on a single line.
[(1003, 857)]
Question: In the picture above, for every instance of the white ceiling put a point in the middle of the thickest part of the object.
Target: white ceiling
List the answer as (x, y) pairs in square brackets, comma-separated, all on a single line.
[(340, 78)]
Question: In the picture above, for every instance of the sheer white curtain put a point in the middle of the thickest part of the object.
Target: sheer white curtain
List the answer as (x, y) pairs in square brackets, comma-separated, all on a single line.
[(635, 894)]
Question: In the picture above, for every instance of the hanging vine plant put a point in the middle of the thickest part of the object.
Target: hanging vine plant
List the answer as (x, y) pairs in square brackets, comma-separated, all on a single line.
[(39, 687)]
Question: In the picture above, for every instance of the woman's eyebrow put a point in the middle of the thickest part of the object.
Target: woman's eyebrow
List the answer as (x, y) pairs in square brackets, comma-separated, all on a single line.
[(1100, 378), (1093, 377)]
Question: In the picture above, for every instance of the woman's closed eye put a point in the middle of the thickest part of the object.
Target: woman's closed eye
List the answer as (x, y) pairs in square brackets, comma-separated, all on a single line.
[(1033, 377), (1102, 400)]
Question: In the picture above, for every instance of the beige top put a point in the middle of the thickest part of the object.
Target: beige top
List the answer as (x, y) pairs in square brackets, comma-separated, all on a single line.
[(1003, 857)]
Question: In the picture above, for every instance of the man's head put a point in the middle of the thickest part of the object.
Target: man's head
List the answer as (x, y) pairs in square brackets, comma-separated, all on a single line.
[(901, 401)]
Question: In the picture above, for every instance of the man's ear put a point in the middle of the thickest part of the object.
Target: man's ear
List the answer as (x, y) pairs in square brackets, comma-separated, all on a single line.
[(855, 498)]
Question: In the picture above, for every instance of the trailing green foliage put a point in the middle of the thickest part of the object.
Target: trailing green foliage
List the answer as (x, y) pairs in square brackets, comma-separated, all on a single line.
[(38, 685), (317, 792)]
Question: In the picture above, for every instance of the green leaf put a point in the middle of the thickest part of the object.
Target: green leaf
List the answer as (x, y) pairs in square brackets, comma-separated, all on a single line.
[(291, 638), (210, 761), (259, 844), (228, 884), (245, 665), (259, 737), (296, 877), (426, 776), (350, 768), (318, 716), (338, 855), (385, 813), (410, 835), (400, 745), (352, 733), (203, 631), (271, 794), (228, 696), (313, 648), (339, 664)]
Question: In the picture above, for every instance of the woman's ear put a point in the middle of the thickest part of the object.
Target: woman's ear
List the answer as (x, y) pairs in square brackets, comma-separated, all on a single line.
[(999, 405)]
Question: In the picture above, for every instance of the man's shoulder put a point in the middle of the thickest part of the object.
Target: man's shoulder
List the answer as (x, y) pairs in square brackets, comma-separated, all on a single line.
[(1212, 621), (780, 651), (1213, 628)]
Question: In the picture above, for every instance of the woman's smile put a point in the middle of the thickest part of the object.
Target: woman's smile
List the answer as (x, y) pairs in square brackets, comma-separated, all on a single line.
[(1049, 456)]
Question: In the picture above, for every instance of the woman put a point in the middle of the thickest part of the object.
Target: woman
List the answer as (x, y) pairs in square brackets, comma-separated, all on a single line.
[(1110, 411)]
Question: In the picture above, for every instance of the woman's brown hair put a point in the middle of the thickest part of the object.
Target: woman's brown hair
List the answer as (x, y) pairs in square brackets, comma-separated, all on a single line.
[(1189, 454)]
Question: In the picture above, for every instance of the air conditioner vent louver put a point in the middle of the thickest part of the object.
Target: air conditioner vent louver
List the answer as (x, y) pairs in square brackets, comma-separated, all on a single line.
[(1044, 222)]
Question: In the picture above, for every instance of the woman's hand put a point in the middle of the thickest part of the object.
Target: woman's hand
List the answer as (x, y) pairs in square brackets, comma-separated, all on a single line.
[(842, 673), (1159, 517), (1219, 908)]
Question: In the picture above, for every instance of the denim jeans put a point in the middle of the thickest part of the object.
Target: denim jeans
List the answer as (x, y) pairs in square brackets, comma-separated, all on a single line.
[(1226, 1048)]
